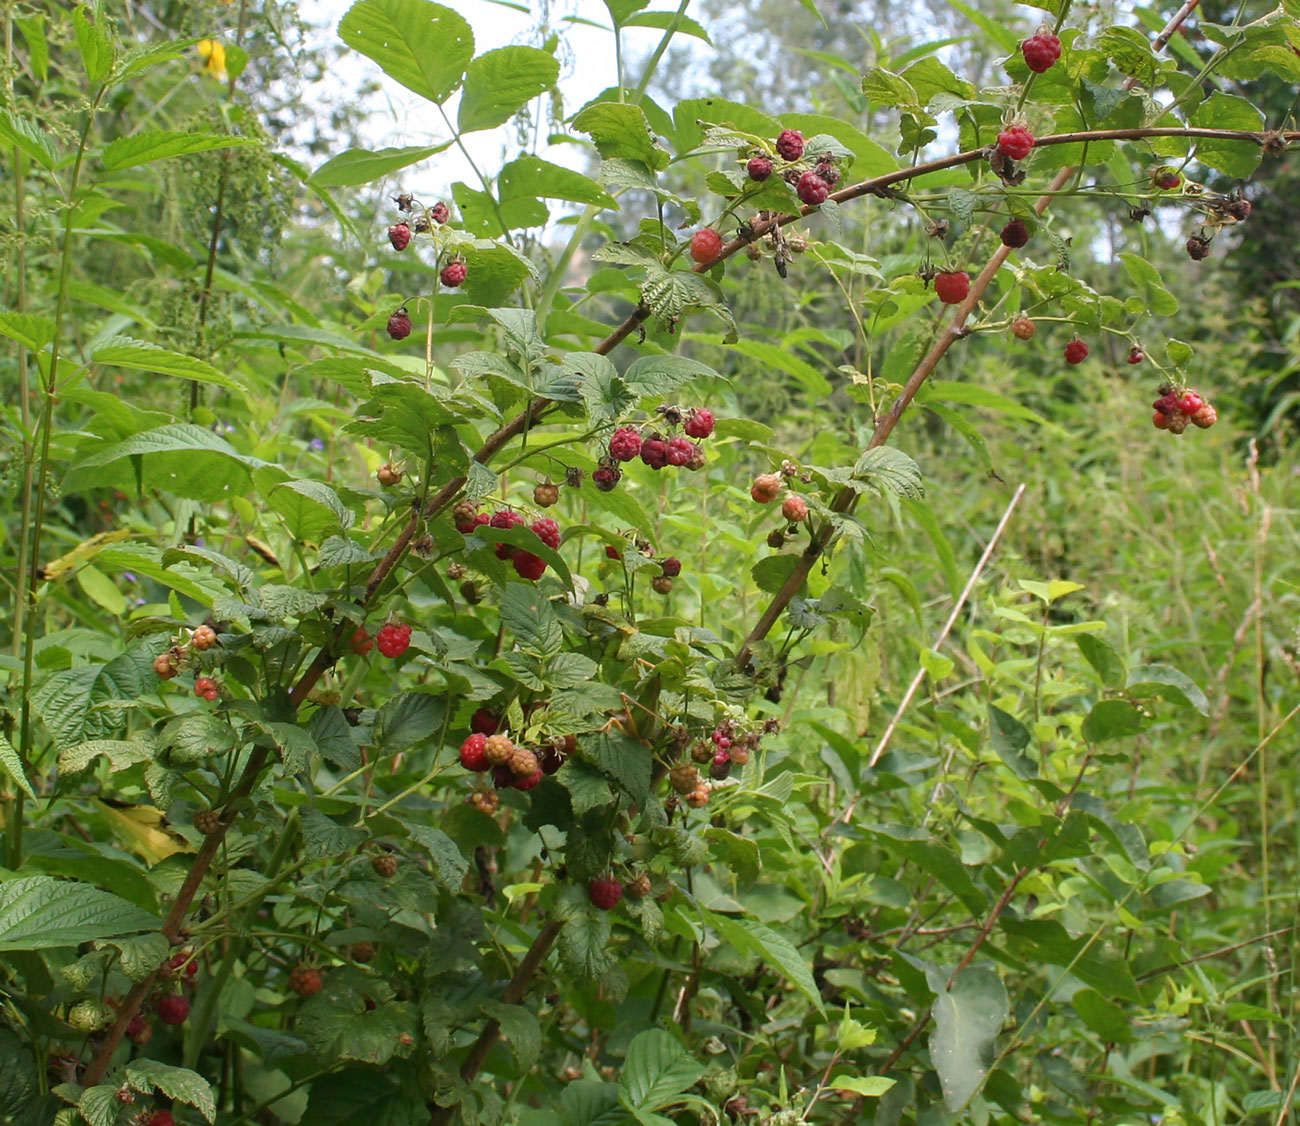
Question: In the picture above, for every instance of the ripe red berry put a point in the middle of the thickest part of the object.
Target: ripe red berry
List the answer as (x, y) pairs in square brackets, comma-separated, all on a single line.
[(812, 189), (360, 642), (654, 452), (1015, 234), (1041, 51), (611, 552), (173, 1009), (1190, 402), (700, 423), (953, 287), (393, 639), (1205, 417), (162, 1118), (203, 685), (484, 722), (706, 245), (528, 566), (399, 325), (1165, 178), (1016, 142), (439, 213), (1076, 352), (399, 234), (548, 531), (453, 273), (790, 144), (604, 893), (505, 518), (681, 451), (1136, 355), (1022, 328), (671, 566), (139, 1031), (794, 509), (759, 168), (472, 756), (527, 781), (624, 444)]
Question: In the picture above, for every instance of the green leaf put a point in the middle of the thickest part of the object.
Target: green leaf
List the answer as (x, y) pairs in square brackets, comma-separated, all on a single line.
[(1009, 737), (495, 272), (520, 1029), (101, 590), (31, 330), (361, 166), (1227, 111), (690, 114), (967, 1019), (869, 158), (1169, 684), (1150, 286), (28, 138), (1102, 1016), (529, 616), (139, 355), (310, 509), (870, 1086), (530, 176), (886, 469), (621, 130), (1109, 665), (750, 937), (657, 375), (41, 913), (145, 148), (93, 43), (75, 704), (449, 865), (498, 84), (853, 1034), (323, 837), (1111, 719), (177, 1083), (683, 25), (422, 45), (770, 573), (139, 955), (362, 1096), (12, 765), (970, 394), (657, 1070), (406, 719)]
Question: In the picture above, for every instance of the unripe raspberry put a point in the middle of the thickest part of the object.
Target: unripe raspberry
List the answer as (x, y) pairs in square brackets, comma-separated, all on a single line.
[(388, 475), (472, 756), (790, 144), (1177, 422), (545, 495), (624, 444), (680, 451), (384, 864), (795, 509), (683, 778), (203, 637), (166, 666), (1190, 402), (1160, 420), (654, 452), (1205, 417), (523, 761), (362, 952), (1076, 352), (698, 798), (1041, 51), (399, 234), (173, 1009), (207, 821), (671, 566), (1136, 355), (697, 460), (765, 488), (439, 213), (759, 168), (139, 1031), (740, 755), (661, 584), (498, 749), (706, 245), (952, 286), (606, 477), (305, 980), (399, 325), (638, 888), (701, 752), (1015, 234), (1022, 328), (604, 893), (699, 424), (1198, 248), (1015, 142), (485, 801), (453, 273), (812, 189)]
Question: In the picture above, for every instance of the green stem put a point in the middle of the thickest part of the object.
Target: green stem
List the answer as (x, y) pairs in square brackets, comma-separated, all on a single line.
[(653, 62)]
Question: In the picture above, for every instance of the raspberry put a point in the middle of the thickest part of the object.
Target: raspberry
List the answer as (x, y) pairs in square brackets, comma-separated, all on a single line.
[(553, 754), (393, 639), (505, 518), (953, 286), (463, 516), (683, 778), (604, 893), (1198, 248), (173, 1009), (606, 478), (759, 168), (439, 213), (790, 144), (671, 566), (388, 475), (1177, 423), (360, 642), (471, 753), (184, 959), (1166, 179), (638, 888), (1239, 209), (528, 566), (548, 531), (720, 768), (765, 488), (546, 494), (453, 273), (1015, 234), (165, 666), (207, 821), (828, 172), (400, 236), (776, 538), (611, 552), (162, 1118), (484, 722), (305, 981), (1022, 328), (1205, 417), (384, 864), (654, 452), (795, 509), (528, 781), (485, 801), (1136, 355), (1160, 420), (1190, 402), (698, 798), (812, 189), (740, 756), (661, 584), (399, 325), (1076, 352), (204, 685), (1041, 51), (1015, 142), (498, 749), (700, 423), (681, 451), (624, 444), (363, 952), (523, 762), (706, 245), (203, 637), (139, 1031)]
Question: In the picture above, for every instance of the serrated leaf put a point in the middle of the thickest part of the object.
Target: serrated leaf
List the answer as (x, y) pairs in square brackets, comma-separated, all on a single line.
[(25, 136), (656, 1072), (309, 509), (139, 355), (31, 330), (406, 719), (528, 614), (361, 166), (750, 937), (886, 469), (12, 766), (499, 83), (449, 865), (159, 144), (41, 913), (621, 130), (178, 1083), (422, 45), (323, 837)]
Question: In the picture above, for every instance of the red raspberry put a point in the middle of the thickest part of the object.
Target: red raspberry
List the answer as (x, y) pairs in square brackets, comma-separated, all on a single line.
[(453, 273), (1205, 417), (203, 685), (505, 518), (1136, 355), (528, 566), (654, 452), (1015, 234), (439, 213), (759, 168), (162, 1118), (953, 287), (1076, 352), (1015, 142), (360, 642), (182, 959), (1022, 328), (706, 245), (1041, 51), (795, 509), (812, 189), (472, 756), (1160, 420), (527, 781), (700, 423), (790, 144), (484, 722), (1190, 402), (611, 552), (393, 639), (400, 236), (605, 893), (503, 777), (624, 444), (671, 566), (399, 325), (1166, 179), (1167, 403), (173, 1009), (305, 981), (680, 451), (139, 1031), (606, 477), (548, 531), (464, 516)]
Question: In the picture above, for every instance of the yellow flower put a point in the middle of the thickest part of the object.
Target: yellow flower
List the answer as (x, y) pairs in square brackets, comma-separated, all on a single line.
[(213, 55)]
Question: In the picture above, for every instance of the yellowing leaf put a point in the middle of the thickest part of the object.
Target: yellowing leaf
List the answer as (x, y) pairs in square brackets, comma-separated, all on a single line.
[(141, 828)]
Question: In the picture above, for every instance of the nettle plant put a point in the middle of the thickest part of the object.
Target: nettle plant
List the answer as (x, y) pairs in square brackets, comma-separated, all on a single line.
[(478, 803)]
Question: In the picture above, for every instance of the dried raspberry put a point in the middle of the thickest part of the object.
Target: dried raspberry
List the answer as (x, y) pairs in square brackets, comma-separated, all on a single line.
[(485, 801), (1015, 234), (173, 1009), (1205, 417), (776, 538), (661, 584), (604, 893), (766, 487), (1076, 351), (681, 451), (453, 273), (203, 637), (706, 245), (1041, 51), (683, 778), (790, 144), (812, 189), (165, 665), (484, 722), (545, 495), (624, 444), (1136, 355), (654, 452), (1015, 142), (759, 168), (953, 287), (399, 325), (384, 864), (1239, 209), (795, 509), (606, 477), (439, 213), (638, 888), (393, 639), (305, 980), (671, 566), (1198, 248), (1165, 178), (699, 424), (472, 756), (207, 821), (1022, 328), (720, 768), (828, 171), (498, 749), (548, 531), (400, 236)]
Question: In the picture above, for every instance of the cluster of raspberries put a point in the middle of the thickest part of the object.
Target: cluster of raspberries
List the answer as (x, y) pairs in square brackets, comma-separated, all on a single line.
[(1174, 410), (654, 448), (811, 184), (527, 565)]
